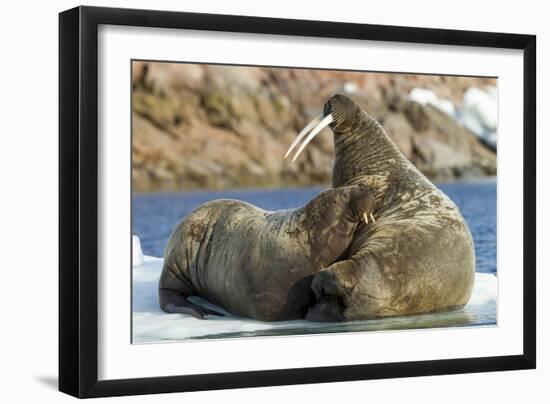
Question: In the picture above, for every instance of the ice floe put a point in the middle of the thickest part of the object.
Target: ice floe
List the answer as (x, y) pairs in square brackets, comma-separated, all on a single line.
[(137, 253), (150, 324)]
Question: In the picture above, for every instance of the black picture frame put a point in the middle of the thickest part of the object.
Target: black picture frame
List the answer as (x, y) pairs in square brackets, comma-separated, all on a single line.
[(78, 200)]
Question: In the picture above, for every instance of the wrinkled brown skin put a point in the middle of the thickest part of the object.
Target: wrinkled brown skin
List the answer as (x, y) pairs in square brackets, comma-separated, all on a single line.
[(418, 257), (255, 263)]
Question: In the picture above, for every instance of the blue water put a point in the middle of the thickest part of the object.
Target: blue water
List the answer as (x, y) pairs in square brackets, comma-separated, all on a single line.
[(154, 215)]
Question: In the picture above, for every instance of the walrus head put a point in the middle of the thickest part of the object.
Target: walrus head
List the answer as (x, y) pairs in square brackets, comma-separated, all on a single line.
[(362, 203), (344, 112), (363, 152), (339, 113)]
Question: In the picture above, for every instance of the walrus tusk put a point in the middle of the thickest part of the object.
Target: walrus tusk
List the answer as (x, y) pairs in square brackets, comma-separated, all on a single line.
[(327, 120), (366, 218), (372, 218), (304, 132)]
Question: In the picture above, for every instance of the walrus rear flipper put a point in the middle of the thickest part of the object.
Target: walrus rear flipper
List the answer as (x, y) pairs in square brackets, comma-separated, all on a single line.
[(174, 302), (173, 293)]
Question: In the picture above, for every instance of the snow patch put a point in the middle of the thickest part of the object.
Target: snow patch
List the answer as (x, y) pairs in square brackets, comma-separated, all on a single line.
[(480, 115), (478, 112), (425, 97), (350, 87)]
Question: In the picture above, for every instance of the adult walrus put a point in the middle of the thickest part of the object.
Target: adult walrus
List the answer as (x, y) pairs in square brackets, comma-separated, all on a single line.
[(419, 255), (255, 263)]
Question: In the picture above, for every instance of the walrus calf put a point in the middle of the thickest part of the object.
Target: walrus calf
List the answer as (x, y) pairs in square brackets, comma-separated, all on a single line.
[(419, 255), (255, 263)]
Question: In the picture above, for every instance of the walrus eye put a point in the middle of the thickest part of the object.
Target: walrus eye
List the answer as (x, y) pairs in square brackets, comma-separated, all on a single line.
[(316, 126)]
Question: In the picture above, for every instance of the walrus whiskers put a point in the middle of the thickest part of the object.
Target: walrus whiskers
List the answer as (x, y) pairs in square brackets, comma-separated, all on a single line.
[(327, 120)]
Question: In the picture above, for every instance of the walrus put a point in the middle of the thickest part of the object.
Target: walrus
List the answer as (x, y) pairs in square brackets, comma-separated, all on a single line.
[(419, 255), (255, 263)]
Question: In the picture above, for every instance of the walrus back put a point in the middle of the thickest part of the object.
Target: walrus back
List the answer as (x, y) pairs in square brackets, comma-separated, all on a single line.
[(181, 255), (413, 262)]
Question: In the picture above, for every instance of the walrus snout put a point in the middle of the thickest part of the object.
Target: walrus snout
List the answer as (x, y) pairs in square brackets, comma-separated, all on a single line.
[(344, 111), (337, 106), (362, 203)]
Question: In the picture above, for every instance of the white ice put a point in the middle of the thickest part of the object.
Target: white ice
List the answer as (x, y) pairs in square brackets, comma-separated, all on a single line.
[(150, 324)]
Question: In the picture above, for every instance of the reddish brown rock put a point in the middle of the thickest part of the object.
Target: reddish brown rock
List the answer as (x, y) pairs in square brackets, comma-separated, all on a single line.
[(201, 126)]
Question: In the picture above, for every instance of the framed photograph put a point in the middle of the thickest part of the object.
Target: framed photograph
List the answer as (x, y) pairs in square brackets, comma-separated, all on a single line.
[(251, 201)]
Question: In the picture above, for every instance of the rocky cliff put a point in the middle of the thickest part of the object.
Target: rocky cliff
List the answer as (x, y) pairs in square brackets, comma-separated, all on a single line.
[(207, 126)]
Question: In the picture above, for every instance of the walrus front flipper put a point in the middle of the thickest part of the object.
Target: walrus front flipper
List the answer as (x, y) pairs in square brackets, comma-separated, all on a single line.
[(329, 288), (174, 302), (327, 309)]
